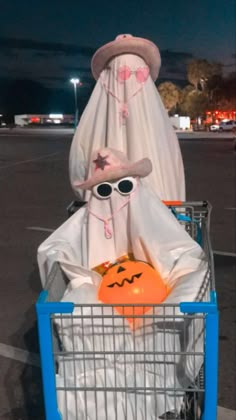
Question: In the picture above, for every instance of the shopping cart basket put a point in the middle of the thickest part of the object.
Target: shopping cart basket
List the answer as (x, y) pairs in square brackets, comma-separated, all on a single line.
[(95, 367)]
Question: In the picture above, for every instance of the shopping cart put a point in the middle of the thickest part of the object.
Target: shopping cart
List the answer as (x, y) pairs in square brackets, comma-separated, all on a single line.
[(94, 366)]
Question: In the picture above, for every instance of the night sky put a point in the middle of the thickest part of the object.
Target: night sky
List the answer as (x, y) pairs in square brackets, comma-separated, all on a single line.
[(50, 41)]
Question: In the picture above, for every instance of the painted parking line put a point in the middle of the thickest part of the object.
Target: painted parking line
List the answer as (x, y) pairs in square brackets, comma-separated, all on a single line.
[(226, 414), (22, 162), (20, 355), (230, 208), (226, 254), (40, 229)]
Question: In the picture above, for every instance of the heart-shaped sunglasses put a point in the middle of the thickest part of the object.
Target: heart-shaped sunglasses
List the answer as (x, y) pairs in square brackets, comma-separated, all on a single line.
[(125, 72)]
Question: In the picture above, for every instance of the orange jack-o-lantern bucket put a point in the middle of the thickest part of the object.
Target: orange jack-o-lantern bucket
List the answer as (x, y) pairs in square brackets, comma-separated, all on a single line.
[(132, 282)]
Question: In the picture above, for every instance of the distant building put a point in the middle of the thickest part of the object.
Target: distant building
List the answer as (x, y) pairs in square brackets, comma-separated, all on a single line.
[(180, 122), (2, 121), (216, 116), (43, 119)]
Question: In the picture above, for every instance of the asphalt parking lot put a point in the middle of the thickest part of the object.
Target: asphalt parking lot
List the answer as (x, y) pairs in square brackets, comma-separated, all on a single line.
[(35, 192)]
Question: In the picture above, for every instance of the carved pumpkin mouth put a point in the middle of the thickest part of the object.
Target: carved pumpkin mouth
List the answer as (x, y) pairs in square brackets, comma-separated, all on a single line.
[(130, 281), (130, 287)]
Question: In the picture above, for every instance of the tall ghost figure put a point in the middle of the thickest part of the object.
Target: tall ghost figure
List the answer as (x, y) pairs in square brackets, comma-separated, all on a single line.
[(125, 112)]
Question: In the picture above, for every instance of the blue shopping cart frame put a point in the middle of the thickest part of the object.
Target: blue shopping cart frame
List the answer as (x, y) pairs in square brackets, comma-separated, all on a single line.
[(46, 309), (210, 309)]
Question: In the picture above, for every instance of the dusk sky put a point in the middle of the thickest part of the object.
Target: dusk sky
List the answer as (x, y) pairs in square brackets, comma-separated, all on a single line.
[(51, 41)]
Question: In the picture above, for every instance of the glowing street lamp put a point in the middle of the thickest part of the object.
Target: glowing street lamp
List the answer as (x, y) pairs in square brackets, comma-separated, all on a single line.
[(76, 82)]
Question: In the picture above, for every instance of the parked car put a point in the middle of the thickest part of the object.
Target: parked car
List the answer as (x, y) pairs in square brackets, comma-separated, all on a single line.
[(227, 125), (214, 127)]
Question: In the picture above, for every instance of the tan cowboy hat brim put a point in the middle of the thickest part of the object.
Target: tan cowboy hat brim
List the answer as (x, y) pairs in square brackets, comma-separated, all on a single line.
[(141, 169), (130, 45)]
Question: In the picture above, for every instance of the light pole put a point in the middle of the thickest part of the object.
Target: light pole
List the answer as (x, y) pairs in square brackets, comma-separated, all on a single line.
[(76, 82)]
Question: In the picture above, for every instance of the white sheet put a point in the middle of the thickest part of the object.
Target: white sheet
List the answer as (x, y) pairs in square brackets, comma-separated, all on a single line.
[(147, 227), (147, 131), (109, 367)]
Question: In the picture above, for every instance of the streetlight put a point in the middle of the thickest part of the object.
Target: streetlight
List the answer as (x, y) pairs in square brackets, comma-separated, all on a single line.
[(76, 82)]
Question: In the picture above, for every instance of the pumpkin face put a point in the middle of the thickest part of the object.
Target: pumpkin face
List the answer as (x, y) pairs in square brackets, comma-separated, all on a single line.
[(132, 282)]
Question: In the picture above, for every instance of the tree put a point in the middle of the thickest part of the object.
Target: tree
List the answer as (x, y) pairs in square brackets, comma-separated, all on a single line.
[(222, 92), (214, 89), (195, 104), (229, 89), (200, 71), (170, 94), (225, 104), (184, 93)]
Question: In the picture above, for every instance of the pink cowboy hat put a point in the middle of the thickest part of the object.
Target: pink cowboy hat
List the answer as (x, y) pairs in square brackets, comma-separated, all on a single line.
[(127, 44), (109, 165)]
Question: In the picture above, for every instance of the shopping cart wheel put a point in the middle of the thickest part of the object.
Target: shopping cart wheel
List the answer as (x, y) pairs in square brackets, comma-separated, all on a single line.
[(191, 409), (193, 400)]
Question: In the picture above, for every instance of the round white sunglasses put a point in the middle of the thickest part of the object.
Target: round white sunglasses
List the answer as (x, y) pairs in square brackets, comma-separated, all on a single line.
[(124, 186)]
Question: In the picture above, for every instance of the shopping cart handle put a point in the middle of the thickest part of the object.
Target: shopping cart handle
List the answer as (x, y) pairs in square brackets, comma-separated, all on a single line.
[(201, 307), (172, 203), (45, 307), (203, 203)]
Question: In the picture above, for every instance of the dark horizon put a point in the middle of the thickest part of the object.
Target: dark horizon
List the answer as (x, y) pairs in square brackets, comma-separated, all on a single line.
[(48, 43), (54, 40)]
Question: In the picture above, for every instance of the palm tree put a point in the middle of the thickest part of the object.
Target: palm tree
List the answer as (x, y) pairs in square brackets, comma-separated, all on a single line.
[(200, 71)]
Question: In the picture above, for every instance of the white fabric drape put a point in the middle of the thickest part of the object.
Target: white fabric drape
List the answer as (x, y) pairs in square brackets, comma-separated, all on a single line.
[(146, 132), (147, 227), (144, 226)]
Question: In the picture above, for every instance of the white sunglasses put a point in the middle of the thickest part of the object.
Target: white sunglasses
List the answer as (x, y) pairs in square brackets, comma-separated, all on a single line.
[(124, 186)]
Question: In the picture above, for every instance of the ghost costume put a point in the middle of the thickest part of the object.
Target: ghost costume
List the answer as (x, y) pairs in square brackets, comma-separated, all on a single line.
[(125, 112), (143, 225), (150, 231)]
